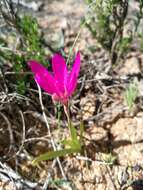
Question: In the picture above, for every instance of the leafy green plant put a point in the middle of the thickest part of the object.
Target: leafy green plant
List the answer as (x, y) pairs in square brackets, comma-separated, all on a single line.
[(31, 38), (138, 23), (131, 95), (29, 48), (139, 15), (31, 44), (110, 159), (106, 23), (73, 145), (60, 182), (18, 68), (141, 41)]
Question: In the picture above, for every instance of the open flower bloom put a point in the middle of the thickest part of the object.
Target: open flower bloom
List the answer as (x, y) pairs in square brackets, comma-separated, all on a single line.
[(61, 83)]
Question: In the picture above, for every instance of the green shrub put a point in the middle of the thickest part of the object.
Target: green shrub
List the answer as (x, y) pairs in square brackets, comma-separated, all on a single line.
[(106, 22)]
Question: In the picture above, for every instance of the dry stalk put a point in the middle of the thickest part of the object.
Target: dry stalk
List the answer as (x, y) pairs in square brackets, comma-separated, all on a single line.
[(49, 131), (10, 133), (23, 134)]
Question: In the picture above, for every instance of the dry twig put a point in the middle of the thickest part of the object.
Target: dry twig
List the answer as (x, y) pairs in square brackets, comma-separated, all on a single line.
[(49, 131)]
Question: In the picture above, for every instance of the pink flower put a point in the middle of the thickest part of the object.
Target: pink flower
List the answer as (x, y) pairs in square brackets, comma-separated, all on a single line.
[(61, 83)]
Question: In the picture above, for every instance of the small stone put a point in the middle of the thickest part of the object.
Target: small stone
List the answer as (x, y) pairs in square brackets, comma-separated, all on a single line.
[(88, 104), (131, 66), (128, 129), (130, 154)]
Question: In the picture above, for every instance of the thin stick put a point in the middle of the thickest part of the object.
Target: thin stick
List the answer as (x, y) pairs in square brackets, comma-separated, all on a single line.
[(76, 38), (66, 110), (49, 131), (23, 134)]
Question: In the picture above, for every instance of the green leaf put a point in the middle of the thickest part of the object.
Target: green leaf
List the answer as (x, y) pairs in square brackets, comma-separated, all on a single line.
[(130, 95), (110, 159), (59, 182), (67, 142), (73, 132), (81, 131), (21, 86), (54, 154), (75, 143)]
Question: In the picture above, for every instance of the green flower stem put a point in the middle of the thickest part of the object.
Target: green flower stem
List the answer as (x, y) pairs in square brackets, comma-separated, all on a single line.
[(66, 110)]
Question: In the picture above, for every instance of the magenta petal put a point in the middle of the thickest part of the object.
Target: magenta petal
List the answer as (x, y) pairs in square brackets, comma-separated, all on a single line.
[(42, 77), (72, 85), (59, 68), (76, 67), (60, 89)]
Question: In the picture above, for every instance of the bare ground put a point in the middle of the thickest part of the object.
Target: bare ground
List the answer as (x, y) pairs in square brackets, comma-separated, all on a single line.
[(113, 135)]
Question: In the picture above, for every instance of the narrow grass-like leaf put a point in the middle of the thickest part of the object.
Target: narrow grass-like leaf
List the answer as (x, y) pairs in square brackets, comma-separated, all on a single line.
[(81, 131), (67, 142), (73, 132), (54, 154), (130, 95)]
